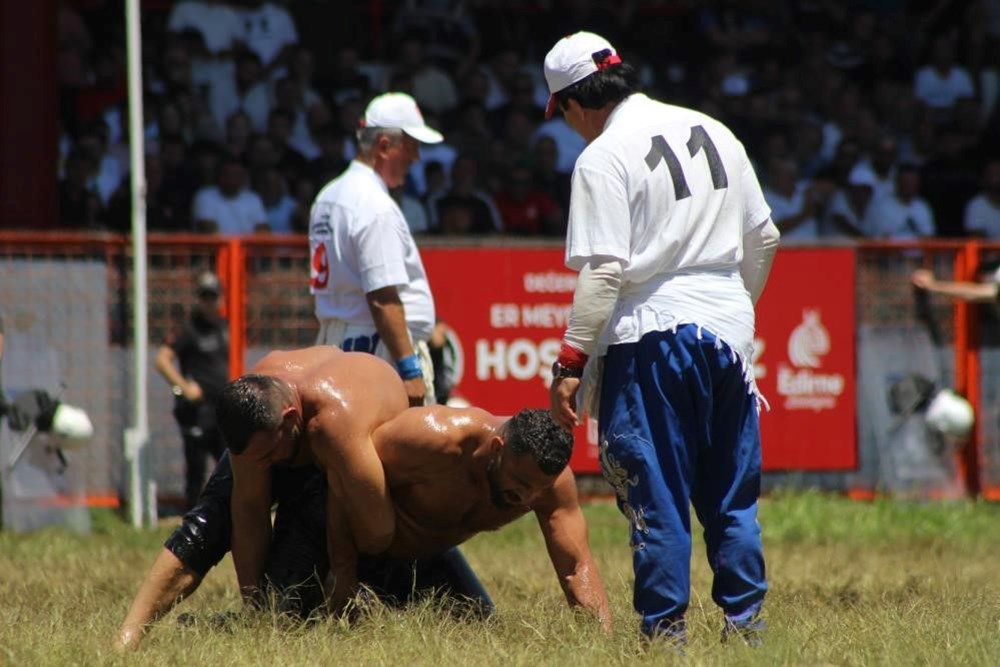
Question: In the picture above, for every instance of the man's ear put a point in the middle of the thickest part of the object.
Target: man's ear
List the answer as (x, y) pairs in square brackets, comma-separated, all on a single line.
[(496, 443), (383, 144), (289, 416)]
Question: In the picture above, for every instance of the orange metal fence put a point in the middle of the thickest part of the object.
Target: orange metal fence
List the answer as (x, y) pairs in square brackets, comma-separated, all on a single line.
[(269, 306)]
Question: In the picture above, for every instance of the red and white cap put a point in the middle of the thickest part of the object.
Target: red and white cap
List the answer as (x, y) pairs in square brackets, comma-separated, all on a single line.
[(574, 58), (400, 111)]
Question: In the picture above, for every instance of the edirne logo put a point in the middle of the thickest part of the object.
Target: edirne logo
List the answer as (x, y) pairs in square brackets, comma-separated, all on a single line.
[(809, 341), (803, 387)]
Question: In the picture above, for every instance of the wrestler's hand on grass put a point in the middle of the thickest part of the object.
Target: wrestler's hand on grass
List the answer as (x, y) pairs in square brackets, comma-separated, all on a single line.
[(562, 400), (416, 390), (341, 586), (128, 639)]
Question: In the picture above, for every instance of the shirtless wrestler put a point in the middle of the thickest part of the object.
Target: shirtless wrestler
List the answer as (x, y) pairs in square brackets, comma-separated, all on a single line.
[(320, 415)]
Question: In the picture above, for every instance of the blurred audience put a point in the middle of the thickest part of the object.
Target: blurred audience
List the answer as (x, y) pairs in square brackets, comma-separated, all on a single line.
[(904, 214), (830, 99), (982, 214), (526, 210), (229, 207)]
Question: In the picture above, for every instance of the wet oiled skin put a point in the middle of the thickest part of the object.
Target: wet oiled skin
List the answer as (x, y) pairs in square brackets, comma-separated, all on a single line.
[(445, 498), (435, 458)]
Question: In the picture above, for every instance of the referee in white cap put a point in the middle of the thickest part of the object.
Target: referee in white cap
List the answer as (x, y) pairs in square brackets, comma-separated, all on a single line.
[(673, 241), (365, 271)]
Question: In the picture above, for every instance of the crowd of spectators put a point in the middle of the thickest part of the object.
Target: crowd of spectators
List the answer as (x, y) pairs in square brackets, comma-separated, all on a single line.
[(867, 118)]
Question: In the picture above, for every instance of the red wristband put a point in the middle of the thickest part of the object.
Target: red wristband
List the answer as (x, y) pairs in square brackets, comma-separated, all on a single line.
[(570, 357)]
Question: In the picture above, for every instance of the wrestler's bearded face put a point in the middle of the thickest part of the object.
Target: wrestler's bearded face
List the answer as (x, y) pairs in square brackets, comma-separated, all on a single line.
[(515, 480)]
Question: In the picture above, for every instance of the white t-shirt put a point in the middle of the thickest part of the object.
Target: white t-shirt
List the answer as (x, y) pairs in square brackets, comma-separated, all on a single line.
[(982, 217), (219, 25), (224, 100), (235, 216), (841, 206), (359, 242), (670, 192), (864, 172), (786, 207), (940, 92), (267, 30), (890, 218)]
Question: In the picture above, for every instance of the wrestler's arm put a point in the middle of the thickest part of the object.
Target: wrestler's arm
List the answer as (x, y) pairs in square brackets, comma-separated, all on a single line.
[(360, 516), (169, 581), (565, 530), (251, 509), (357, 486)]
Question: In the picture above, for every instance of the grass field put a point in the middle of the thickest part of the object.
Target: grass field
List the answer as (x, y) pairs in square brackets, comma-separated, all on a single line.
[(851, 584)]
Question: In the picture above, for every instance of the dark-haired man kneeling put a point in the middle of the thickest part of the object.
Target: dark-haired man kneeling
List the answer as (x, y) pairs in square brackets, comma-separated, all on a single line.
[(327, 435)]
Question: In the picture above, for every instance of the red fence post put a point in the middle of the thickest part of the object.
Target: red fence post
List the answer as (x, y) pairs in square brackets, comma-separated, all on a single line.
[(232, 268), (967, 378)]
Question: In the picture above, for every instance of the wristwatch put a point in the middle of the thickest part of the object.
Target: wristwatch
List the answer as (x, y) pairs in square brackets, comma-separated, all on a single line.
[(176, 390), (559, 371)]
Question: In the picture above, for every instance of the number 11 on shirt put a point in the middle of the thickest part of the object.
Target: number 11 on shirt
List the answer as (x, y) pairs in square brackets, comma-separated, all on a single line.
[(699, 140)]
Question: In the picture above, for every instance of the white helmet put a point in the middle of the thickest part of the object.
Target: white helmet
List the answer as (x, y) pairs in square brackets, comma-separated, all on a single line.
[(72, 426), (950, 414)]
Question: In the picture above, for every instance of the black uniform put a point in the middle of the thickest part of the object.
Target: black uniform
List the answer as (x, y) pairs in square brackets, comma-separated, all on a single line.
[(203, 352)]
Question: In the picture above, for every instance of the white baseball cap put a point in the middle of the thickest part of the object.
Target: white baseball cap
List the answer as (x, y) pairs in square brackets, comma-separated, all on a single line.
[(400, 111), (573, 58)]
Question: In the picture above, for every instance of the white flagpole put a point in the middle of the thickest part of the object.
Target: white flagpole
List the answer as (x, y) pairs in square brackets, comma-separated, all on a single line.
[(137, 436)]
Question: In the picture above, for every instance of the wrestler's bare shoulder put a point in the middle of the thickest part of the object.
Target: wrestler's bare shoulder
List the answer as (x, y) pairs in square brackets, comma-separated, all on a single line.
[(439, 430), (326, 373), (296, 362)]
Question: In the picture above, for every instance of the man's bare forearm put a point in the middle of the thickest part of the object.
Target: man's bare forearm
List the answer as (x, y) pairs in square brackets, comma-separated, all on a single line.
[(251, 540), (169, 581), (359, 491), (585, 588), (342, 582), (389, 317)]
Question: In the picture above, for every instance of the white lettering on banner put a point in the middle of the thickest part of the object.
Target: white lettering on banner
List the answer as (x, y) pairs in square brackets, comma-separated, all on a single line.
[(803, 387), (546, 315), (504, 315), (550, 281), (521, 359)]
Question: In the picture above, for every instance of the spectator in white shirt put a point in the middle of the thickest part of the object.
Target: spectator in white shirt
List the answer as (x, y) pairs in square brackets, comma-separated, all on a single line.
[(942, 82), (794, 204), (982, 213), (229, 208), (432, 87), (879, 168), (279, 206), (270, 33), (245, 91), (846, 213), (110, 174), (903, 214), (218, 24)]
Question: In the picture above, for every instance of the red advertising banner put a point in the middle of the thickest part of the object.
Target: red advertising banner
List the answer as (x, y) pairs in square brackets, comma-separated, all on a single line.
[(510, 306), (804, 361)]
